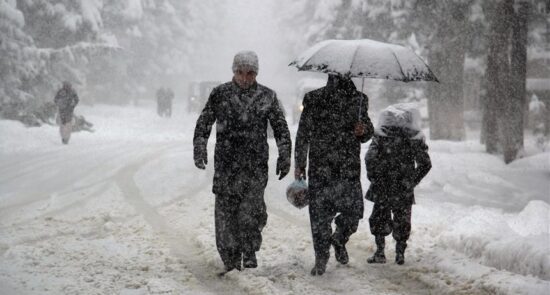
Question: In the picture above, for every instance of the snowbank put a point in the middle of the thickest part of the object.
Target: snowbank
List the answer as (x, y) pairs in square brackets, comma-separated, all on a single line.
[(513, 242)]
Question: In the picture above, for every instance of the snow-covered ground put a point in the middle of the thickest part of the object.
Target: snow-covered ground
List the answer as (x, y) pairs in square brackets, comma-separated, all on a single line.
[(123, 210)]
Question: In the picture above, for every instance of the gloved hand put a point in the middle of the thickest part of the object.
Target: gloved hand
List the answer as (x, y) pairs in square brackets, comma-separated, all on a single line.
[(200, 157), (408, 184), (360, 129), (299, 173), (283, 166)]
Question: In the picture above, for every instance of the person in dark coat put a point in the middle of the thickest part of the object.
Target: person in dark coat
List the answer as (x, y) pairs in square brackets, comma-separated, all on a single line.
[(396, 162), (66, 100), (168, 102), (164, 102), (160, 101), (332, 126), (241, 109)]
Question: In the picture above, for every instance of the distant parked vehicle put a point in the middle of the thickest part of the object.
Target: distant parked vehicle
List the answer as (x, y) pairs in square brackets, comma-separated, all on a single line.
[(198, 95)]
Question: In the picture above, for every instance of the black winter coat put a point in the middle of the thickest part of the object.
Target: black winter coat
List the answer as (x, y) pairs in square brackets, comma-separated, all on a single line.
[(396, 161), (66, 99), (241, 153), (326, 132)]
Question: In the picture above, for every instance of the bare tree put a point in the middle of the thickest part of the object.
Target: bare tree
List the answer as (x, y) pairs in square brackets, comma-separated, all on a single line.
[(446, 57), (504, 107), (516, 108), (498, 73)]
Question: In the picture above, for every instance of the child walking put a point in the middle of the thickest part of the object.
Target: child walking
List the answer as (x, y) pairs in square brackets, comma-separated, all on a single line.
[(396, 162)]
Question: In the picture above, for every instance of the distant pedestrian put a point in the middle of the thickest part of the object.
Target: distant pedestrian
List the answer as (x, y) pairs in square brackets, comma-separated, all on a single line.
[(161, 98), (168, 102), (164, 96), (241, 110), (66, 100), (396, 162)]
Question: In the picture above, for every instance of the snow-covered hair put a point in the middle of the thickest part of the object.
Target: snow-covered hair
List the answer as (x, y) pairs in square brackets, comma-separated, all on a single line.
[(245, 58)]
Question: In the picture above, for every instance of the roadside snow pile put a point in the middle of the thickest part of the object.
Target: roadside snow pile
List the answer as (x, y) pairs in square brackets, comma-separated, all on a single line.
[(18, 138), (533, 220), (539, 161), (513, 242), (451, 147)]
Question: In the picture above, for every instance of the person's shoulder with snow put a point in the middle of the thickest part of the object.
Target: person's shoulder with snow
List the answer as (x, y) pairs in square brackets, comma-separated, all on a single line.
[(313, 97), (222, 89)]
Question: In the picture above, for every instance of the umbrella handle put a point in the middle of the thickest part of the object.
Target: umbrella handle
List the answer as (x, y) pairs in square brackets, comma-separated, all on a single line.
[(361, 99)]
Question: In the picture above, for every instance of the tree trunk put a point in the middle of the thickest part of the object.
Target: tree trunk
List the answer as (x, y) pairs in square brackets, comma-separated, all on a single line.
[(446, 100), (498, 70), (518, 100)]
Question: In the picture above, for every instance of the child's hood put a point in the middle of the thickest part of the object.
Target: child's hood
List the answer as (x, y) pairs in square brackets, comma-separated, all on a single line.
[(400, 120), (396, 131)]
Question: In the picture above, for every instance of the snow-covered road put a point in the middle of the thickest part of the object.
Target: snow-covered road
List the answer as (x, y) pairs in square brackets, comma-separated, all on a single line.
[(124, 211)]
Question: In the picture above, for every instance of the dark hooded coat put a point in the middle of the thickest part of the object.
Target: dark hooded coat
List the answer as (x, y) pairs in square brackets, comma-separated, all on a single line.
[(396, 161)]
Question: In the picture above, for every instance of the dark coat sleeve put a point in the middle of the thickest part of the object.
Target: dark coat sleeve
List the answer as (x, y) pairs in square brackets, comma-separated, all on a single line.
[(303, 135), (423, 162), (280, 129), (374, 166), (75, 99), (58, 99), (204, 125), (372, 161), (369, 130)]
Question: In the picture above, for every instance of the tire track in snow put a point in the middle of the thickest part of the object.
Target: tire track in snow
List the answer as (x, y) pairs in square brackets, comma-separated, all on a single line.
[(41, 189), (52, 158), (180, 246), (106, 167), (79, 200)]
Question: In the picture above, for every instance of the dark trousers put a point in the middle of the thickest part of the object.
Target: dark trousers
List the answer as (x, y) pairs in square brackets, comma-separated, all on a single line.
[(324, 205), (66, 115), (382, 223), (239, 223)]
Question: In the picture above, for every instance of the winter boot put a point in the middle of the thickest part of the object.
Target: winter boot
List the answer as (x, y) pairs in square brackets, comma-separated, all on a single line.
[(249, 260), (320, 266), (340, 251), (378, 256), (235, 263), (400, 252)]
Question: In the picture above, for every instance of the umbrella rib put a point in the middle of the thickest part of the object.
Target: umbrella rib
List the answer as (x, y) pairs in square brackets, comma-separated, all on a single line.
[(400, 67), (328, 43), (353, 58)]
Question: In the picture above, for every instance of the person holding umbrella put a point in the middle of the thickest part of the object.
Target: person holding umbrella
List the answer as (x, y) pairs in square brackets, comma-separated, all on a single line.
[(332, 127), (331, 132)]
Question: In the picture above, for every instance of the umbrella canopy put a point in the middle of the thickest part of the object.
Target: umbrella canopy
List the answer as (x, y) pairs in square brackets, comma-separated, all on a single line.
[(365, 58)]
